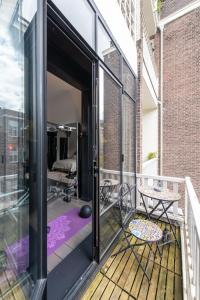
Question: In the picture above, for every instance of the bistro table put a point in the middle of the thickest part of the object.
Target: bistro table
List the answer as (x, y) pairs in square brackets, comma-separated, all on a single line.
[(166, 199), (107, 187)]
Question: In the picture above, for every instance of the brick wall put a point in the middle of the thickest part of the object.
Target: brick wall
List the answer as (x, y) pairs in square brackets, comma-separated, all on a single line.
[(170, 6), (181, 116)]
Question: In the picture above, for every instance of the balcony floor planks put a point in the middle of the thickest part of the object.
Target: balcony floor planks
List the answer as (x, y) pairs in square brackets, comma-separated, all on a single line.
[(120, 277)]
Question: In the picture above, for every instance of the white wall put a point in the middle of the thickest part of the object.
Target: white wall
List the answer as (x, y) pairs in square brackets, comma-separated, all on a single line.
[(151, 66), (150, 167), (63, 104), (64, 101), (112, 15), (149, 132)]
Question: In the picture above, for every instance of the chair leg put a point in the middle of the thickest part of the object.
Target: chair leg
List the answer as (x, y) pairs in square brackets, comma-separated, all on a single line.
[(121, 250), (157, 248), (154, 253), (140, 264), (136, 257)]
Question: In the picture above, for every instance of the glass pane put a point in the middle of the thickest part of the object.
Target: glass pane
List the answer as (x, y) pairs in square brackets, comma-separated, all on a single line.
[(81, 16), (109, 159), (16, 21), (128, 144), (128, 134), (128, 80), (107, 51)]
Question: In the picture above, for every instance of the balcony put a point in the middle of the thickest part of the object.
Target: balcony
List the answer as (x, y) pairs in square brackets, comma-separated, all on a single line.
[(150, 75), (174, 275), (150, 15)]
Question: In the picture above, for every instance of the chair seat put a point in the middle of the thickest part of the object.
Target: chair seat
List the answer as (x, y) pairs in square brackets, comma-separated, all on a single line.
[(145, 230)]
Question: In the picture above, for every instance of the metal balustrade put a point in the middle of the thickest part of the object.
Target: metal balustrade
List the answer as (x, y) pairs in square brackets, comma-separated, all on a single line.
[(187, 214), (172, 183), (192, 242)]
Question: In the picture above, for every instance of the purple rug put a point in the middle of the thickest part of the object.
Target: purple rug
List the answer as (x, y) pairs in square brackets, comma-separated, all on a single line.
[(61, 230)]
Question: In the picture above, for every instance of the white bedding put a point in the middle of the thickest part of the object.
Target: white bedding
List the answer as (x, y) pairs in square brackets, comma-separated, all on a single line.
[(65, 165)]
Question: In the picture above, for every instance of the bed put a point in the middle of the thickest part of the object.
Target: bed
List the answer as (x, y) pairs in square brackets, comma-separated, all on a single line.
[(68, 165), (59, 177)]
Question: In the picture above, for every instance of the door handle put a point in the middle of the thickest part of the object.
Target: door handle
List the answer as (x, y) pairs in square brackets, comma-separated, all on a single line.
[(95, 168)]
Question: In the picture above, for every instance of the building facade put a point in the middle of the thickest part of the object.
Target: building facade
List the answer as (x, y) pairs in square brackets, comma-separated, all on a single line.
[(180, 88), (59, 67)]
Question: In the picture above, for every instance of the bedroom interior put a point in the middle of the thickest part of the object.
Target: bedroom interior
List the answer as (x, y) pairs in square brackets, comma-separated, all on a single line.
[(64, 199), (70, 180)]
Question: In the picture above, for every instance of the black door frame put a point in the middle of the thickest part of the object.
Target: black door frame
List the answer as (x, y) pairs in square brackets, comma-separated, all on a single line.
[(38, 209), (71, 34), (50, 11)]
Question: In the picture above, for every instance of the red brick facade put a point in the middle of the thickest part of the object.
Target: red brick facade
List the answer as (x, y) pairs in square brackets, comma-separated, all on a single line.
[(171, 6), (181, 98)]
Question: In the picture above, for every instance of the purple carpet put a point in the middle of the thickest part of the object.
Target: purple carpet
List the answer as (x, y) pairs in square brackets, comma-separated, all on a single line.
[(61, 230)]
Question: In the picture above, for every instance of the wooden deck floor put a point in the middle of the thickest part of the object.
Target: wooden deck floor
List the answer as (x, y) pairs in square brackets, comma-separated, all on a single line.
[(11, 288), (120, 277)]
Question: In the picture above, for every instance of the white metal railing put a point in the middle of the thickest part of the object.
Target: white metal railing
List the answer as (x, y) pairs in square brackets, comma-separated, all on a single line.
[(173, 183), (146, 37), (150, 65), (192, 242), (187, 214), (128, 177)]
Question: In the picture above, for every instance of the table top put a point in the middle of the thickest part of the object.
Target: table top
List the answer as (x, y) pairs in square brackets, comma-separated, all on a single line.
[(112, 182), (163, 195), (145, 230)]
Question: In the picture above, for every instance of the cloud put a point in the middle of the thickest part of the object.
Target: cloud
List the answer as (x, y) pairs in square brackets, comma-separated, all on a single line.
[(12, 74)]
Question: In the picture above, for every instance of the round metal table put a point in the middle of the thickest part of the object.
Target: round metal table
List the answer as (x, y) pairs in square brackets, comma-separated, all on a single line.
[(165, 198)]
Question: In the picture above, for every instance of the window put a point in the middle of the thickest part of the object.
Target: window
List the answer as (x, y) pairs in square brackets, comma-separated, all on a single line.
[(128, 80), (13, 128), (128, 140), (108, 51), (109, 156), (81, 16), (13, 157), (17, 56)]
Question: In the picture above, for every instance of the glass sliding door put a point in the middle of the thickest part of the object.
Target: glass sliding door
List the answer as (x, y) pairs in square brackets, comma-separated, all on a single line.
[(128, 146), (109, 157), (18, 214)]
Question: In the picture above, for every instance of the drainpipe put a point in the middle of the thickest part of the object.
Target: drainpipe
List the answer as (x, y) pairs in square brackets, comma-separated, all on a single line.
[(161, 98)]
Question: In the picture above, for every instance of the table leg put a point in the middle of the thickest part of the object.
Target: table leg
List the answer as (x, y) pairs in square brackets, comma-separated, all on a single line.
[(170, 224), (145, 206), (151, 212)]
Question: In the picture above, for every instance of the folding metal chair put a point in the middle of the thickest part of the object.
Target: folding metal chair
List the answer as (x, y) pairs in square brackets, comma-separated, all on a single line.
[(106, 191), (144, 230)]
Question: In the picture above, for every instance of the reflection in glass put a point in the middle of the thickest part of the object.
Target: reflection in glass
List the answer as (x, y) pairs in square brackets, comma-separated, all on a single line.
[(107, 51), (81, 16), (128, 134), (109, 157), (128, 143), (15, 17), (128, 80)]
